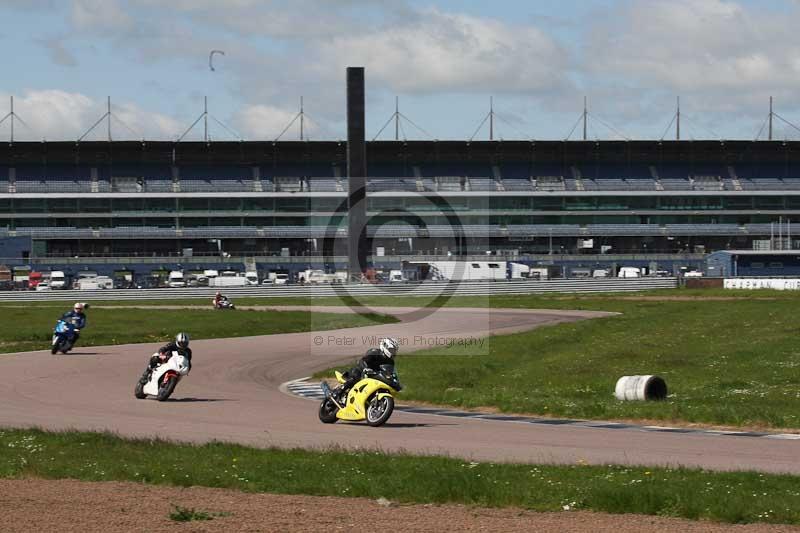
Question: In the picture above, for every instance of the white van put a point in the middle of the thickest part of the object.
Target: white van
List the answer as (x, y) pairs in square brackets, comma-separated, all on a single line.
[(629, 272), (58, 280), (176, 279), (251, 278)]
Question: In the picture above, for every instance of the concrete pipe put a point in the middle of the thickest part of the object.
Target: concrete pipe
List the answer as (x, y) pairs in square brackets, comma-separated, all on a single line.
[(640, 388)]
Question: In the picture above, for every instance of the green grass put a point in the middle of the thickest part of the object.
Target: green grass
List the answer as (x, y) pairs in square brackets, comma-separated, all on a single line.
[(736, 497), (30, 327), (730, 363)]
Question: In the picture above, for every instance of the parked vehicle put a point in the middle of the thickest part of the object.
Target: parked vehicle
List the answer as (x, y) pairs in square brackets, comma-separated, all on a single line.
[(629, 272), (164, 378), (276, 279), (397, 276), (43, 286), (95, 283), (176, 279), (600, 273), (227, 281), (58, 280), (251, 278), (371, 399), (34, 279)]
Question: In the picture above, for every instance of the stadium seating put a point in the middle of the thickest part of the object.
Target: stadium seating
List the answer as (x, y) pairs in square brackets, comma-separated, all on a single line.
[(482, 184), (517, 184), (449, 183), (322, 185), (549, 183)]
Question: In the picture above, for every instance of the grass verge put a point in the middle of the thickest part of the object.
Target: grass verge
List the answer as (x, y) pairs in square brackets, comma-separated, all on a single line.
[(726, 362), (735, 497), (30, 327)]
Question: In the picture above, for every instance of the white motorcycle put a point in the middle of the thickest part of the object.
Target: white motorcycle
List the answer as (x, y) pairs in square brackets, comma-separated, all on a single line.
[(164, 378)]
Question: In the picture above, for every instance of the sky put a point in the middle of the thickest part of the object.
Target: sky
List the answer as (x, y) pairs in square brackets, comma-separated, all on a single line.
[(444, 60)]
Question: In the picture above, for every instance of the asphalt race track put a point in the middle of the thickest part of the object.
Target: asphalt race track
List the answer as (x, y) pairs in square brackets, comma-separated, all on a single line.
[(233, 394)]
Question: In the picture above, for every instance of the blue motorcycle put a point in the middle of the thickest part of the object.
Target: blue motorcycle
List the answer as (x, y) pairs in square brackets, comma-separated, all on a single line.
[(63, 336)]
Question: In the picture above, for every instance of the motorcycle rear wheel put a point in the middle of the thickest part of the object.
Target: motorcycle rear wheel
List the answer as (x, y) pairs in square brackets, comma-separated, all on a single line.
[(327, 411), (379, 410), (165, 391)]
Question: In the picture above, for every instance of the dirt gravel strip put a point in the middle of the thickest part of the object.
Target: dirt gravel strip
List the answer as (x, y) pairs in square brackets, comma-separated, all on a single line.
[(232, 395), (77, 506)]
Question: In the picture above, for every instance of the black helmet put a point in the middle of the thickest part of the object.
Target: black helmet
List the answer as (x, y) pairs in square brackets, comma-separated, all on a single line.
[(182, 340)]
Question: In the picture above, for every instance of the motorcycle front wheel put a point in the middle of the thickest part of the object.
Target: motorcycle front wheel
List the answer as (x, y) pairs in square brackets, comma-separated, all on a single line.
[(327, 411), (138, 391), (379, 410), (166, 389)]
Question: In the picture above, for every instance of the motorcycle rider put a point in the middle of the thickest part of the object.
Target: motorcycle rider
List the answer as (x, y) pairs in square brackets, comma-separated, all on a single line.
[(77, 318), (180, 345), (375, 357), (218, 299)]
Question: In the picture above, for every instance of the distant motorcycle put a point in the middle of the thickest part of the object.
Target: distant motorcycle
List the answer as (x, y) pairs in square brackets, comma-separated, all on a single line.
[(164, 378), (63, 336), (224, 303)]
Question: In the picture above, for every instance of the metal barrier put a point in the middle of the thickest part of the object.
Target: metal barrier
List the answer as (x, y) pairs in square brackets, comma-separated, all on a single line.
[(473, 288)]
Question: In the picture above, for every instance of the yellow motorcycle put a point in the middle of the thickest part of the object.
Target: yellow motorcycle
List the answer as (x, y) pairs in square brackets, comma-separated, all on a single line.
[(371, 399)]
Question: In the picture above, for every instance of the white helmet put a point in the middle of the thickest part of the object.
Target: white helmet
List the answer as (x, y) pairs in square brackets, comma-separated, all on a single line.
[(182, 340), (78, 307), (389, 347)]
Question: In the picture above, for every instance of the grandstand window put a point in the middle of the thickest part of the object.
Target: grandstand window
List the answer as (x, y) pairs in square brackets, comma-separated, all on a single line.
[(192, 222), (160, 204), (738, 202), (769, 202), (29, 205), (331, 222), (325, 205), (258, 204), (225, 221), (291, 204), (291, 221), (757, 265), (127, 204), (580, 204), (385, 204), (514, 203), (62, 205), (226, 204), (5, 205), (193, 204), (547, 204), (776, 264), (95, 205)]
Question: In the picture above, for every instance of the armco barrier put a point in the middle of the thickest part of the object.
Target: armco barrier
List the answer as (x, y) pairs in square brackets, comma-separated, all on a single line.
[(319, 291)]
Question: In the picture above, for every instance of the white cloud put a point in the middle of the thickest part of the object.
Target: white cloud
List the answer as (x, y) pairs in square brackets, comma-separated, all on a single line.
[(452, 52), (259, 122), (721, 51), (57, 115)]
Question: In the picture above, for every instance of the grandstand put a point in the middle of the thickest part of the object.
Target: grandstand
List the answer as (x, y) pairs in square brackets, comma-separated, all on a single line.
[(517, 198)]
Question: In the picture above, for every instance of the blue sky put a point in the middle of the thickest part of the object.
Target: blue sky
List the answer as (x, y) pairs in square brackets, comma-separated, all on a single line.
[(444, 59)]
